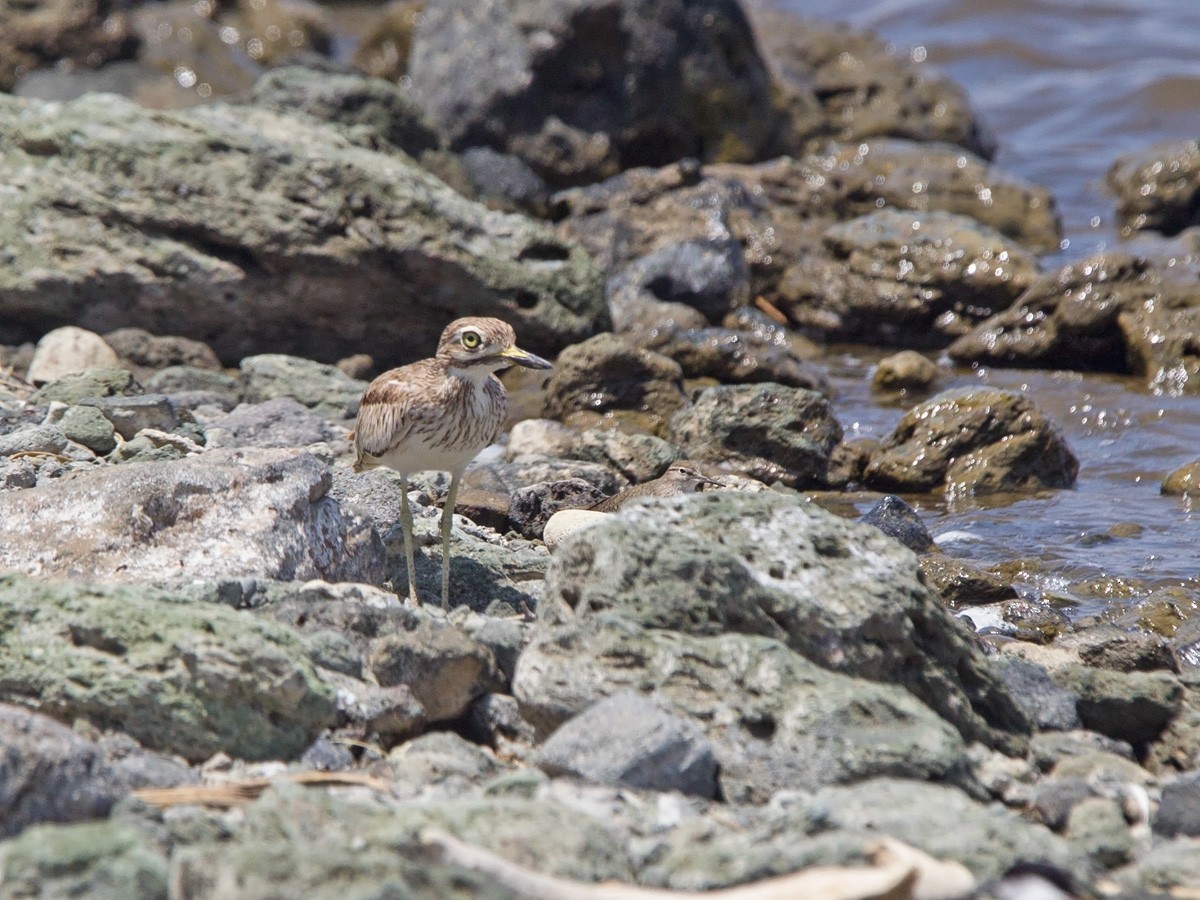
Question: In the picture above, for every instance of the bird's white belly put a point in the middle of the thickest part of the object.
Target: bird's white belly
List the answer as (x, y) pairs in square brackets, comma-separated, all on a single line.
[(427, 459)]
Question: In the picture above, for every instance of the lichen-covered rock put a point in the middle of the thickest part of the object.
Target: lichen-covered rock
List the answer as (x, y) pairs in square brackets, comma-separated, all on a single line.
[(973, 440), (191, 679), (222, 514), (767, 431), (323, 388), (1158, 188), (1183, 482), (712, 564), (145, 353), (582, 90), (311, 244), (733, 356), (281, 422)]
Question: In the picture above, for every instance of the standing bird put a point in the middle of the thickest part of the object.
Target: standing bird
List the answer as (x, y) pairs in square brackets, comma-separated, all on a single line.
[(680, 478), (437, 414)]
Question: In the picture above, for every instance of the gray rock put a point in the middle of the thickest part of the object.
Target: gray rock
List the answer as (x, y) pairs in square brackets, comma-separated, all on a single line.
[(175, 380), (987, 840), (898, 520), (323, 388), (443, 762), (96, 859), (1179, 812), (637, 457), (222, 514), (1097, 828), (1171, 864), (1047, 749), (765, 564), (768, 432), (71, 389), (129, 415), (1048, 706), (531, 507), (1156, 187), (975, 440), (141, 351), (282, 422), (191, 679), (505, 181), (494, 719), (919, 279), (43, 439), (17, 473), (626, 739), (580, 91), (311, 244), (52, 774), (608, 373), (526, 471), (1055, 798), (324, 755), (87, 425), (1133, 706), (710, 276), (1109, 647), (367, 109)]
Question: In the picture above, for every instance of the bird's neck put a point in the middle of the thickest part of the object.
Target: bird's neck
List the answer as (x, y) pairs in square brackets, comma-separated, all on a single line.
[(476, 376)]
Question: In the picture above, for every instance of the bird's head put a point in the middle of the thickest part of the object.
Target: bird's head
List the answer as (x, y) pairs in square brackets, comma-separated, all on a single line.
[(479, 345)]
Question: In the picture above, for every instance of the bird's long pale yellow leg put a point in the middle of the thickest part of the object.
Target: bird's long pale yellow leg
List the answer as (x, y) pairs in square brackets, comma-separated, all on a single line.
[(447, 522), (406, 524)]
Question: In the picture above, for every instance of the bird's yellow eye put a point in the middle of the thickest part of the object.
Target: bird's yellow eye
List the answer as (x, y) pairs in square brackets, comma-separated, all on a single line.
[(471, 339)]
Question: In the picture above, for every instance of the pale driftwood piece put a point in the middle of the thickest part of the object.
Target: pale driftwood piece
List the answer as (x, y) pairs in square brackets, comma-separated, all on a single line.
[(231, 793), (893, 880)]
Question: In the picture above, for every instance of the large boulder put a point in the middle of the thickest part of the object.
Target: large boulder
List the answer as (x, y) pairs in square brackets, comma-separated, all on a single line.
[(974, 441), (185, 678), (580, 90), (705, 567), (253, 231), (222, 514)]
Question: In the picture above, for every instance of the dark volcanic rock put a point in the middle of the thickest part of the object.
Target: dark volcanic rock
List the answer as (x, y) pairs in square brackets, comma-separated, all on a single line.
[(974, 440), (768, 432), (255, 231), (1049, 707), (897, 519), (1128, 706), (531, 507), (582, 90), (222, 514)]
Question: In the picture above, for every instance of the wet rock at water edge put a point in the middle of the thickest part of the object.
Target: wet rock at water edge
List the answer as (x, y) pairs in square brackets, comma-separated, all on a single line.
[(1184, 481), (897, 519), (627, 739), (904, 372), (580, 92), (609, 373), (227, 513), (973, 440), (768, 432), (1158, 188), (331, 204), (907, 278)]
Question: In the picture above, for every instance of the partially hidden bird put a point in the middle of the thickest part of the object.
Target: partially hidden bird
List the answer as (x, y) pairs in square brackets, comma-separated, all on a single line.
[(680, 478), (436, 415)]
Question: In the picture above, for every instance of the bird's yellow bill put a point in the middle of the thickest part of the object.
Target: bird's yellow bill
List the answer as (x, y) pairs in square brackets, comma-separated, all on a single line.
[(524, 358)]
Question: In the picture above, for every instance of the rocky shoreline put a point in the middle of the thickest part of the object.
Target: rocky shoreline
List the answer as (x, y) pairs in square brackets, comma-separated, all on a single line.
[(208, 684)]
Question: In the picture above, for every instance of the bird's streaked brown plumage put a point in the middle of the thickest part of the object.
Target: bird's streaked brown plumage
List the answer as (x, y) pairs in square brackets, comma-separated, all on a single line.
[(437, 414), (680, 478)]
